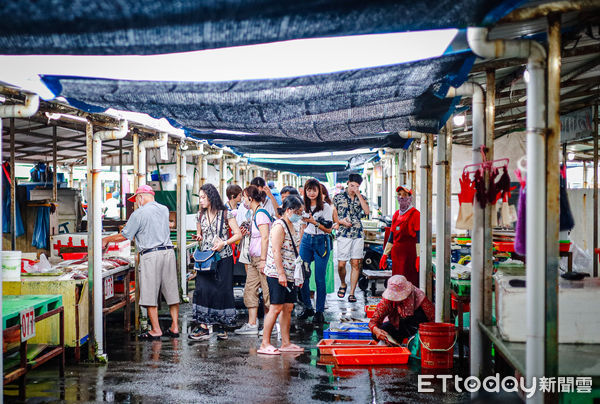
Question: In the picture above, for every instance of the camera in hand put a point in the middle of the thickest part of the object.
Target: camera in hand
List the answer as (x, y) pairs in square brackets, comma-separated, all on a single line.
[(328, 224)]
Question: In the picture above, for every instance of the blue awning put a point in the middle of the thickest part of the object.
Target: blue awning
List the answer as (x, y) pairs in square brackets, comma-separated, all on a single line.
[(119, 27), (364, 106)]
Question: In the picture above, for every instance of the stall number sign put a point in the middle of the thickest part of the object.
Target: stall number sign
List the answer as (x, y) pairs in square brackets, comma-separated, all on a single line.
[(27, 324), (109, 287)]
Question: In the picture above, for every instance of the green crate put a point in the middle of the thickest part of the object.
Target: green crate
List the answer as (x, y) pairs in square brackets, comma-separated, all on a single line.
[(13, 305), (462, 287)]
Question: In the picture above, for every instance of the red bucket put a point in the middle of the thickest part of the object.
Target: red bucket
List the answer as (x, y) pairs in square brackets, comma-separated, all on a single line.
[(437, 345)]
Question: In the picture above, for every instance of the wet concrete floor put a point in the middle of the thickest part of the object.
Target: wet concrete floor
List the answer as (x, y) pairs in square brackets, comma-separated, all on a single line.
[(180, 370)]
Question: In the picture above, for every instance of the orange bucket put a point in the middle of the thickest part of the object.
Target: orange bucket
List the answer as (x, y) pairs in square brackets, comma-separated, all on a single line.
[(437, 345)]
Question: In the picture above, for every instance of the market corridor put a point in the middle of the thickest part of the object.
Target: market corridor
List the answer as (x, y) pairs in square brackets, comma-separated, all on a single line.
[(179, 370)]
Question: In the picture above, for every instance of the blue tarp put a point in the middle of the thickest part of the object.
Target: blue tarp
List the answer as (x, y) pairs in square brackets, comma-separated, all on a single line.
[(116, 27), (335, 107)]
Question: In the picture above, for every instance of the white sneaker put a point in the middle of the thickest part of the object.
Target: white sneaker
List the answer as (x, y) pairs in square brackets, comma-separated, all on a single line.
[(277, 329), (247, 329)]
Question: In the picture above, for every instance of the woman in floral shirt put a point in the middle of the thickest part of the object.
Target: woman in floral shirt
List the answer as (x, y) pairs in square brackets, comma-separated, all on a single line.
[(213, 301), (402, 308)]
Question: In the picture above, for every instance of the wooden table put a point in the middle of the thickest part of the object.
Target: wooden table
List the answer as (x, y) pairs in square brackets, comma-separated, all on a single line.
[(43, 306)]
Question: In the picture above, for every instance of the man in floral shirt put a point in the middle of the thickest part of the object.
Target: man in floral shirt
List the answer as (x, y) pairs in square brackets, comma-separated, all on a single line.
[(351, 207)]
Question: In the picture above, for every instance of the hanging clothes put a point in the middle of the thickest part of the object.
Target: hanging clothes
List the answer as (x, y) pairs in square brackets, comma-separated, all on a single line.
[(6, 213), (41, 228), (567, 222), (464, 220), (405, 232), (521, 222)]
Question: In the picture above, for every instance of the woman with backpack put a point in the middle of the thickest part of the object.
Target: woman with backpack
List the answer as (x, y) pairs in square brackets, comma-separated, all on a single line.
[(213, 301), (260, 224)]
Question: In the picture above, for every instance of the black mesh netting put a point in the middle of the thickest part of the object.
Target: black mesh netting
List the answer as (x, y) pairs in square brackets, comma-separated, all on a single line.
[(336, 107), (114, 27)]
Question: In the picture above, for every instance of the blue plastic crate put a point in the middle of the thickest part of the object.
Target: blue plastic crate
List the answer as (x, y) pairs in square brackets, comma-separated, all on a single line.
[(347, 331), (163, 177)]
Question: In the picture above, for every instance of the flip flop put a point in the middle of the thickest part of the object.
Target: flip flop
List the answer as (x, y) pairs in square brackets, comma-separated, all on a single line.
[(292, 348), (171, 334), (342, 291), (149, 336), (270, 350), (352, 299)]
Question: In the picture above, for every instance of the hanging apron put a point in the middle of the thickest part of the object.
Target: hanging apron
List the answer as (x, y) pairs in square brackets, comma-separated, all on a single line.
[(404, 250)]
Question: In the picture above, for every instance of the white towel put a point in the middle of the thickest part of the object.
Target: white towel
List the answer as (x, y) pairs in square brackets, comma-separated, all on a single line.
[(298, 272)]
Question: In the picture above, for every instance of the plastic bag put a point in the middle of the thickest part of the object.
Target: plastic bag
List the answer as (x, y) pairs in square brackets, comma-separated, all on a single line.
[(582, 260)]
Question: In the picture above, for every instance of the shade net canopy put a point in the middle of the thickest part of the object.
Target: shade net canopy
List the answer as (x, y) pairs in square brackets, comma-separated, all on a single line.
[(363, 106), (316, 164), (298, 147), (120, 27)]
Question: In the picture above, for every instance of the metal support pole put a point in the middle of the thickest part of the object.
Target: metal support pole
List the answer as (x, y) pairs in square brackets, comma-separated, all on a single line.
[(54, 174), (392, 185), (204, 172), (181, 222), (13, 188), (136, 173), (426, 198), (477, 236), (535, 346), (442, 254), (1, 280), (585, 174), (384, 188), (448, 222), (552, 201), (197, 180), (488, 257), (136, 162), (96, 263), (413, 162), (595, 188), (121, 196), (373, 185), (89, 137), (222, 168)]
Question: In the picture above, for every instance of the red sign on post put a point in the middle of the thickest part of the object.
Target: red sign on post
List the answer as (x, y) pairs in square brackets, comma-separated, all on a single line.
[(109, 287), (27, 324)]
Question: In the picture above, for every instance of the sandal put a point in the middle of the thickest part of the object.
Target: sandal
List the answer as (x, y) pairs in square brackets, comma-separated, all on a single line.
[(342, 291), (270, 350), (146, 335), (171, 334), (291, 348), (352, 299)]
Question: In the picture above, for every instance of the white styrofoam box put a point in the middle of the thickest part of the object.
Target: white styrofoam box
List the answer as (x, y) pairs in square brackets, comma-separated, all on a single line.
[(578, 319), (121, 249), (166, 185), (190, 222)]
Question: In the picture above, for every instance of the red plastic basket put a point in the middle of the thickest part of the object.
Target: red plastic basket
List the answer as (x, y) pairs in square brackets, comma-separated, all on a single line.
[(504, 246), (74, 255), (564, 247), (326, 346), (370, 310), (377, 355)]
